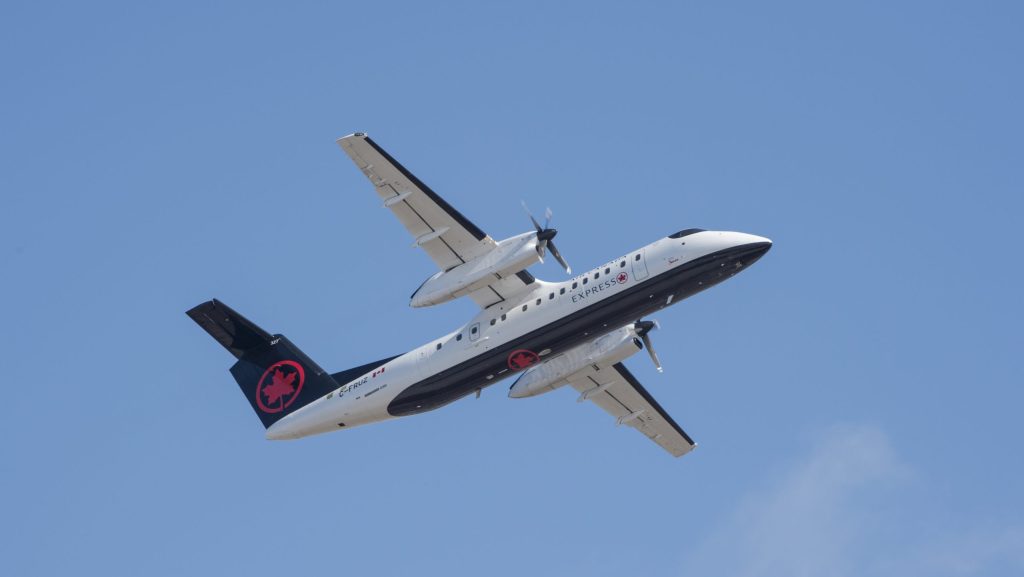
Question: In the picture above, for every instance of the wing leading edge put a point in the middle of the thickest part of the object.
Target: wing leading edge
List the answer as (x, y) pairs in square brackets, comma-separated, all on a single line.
[(616, 390), (449, 238)]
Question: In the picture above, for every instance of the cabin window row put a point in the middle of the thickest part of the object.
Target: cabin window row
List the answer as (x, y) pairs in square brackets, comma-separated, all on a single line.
[(551, 296)]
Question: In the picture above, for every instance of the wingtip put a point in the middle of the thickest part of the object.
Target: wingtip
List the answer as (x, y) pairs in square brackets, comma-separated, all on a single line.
[(352, 136)]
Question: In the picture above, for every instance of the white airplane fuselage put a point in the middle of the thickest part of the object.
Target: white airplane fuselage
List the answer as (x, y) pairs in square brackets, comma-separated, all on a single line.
[(551, 319)]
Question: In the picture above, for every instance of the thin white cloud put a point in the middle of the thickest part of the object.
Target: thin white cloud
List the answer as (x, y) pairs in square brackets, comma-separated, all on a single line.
[(836, 513)]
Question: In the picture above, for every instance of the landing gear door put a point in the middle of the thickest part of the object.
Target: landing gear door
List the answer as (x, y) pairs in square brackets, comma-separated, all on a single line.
[(640, 265)]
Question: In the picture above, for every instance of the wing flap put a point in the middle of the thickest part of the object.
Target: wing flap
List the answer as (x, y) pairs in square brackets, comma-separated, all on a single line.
[(617, 392)]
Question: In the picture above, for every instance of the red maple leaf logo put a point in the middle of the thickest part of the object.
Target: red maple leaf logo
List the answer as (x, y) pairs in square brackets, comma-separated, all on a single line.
[(522, 359), (622, 277), (280, 387), (280, 384)]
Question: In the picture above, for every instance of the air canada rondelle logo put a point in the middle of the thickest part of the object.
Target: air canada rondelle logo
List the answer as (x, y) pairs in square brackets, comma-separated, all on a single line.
[(521, 359), (623, 277), (279, 386)]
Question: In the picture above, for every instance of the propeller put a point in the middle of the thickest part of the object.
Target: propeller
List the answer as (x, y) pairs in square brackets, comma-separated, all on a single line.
[(642, 329), (545, 238)]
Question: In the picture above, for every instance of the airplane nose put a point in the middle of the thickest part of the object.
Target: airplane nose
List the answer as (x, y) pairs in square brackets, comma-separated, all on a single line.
[(749, 248), (744, 238), (765, 245), (750, 243)]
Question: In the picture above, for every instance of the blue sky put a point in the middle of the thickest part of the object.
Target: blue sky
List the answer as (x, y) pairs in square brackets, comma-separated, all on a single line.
[(856, 395)]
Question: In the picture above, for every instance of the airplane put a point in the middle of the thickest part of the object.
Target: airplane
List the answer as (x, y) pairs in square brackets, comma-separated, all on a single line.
[(575, 332)]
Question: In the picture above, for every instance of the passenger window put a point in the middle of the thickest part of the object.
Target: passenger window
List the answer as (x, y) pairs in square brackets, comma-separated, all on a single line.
[(503, 317), (551, 296), (622, 264), (473, 330), (538, 302), (637, 257), (438, 346), (596, 275), (524, 308), (608, 270), (458, 337), (493, 321), (561, 291), (585, 279), (574, 285)]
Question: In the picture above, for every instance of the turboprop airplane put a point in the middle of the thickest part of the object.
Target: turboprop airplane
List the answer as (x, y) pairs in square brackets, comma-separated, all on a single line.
[(575, 332)]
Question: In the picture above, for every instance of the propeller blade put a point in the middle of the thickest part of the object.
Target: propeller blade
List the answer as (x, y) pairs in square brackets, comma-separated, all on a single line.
[(650, 350), (643, 329), (536, 224), (547, 216), (558, 257)]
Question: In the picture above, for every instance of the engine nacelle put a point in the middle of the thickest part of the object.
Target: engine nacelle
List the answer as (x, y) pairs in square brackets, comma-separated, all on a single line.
[(508, 257), (609, 349)]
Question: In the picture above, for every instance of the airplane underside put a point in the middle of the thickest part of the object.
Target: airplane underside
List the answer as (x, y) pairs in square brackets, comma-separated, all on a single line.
[(573, 333)]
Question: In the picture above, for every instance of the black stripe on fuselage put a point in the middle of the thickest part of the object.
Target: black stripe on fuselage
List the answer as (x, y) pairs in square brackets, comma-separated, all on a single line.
[(576, 328)]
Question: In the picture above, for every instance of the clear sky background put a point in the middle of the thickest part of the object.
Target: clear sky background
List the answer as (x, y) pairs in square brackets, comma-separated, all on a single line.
[(856, 395)]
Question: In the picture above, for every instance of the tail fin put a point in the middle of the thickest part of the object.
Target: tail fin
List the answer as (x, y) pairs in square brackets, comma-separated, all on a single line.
[(275, 376)]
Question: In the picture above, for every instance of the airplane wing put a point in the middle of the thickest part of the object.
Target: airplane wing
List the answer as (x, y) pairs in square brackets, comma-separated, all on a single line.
[(448, 237), (616, 390)]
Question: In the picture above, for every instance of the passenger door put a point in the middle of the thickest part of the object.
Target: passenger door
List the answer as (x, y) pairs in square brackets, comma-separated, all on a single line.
[(640, 265)]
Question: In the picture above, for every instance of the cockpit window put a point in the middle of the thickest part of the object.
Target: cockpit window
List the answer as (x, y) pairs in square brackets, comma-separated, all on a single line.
[(686, 232)]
